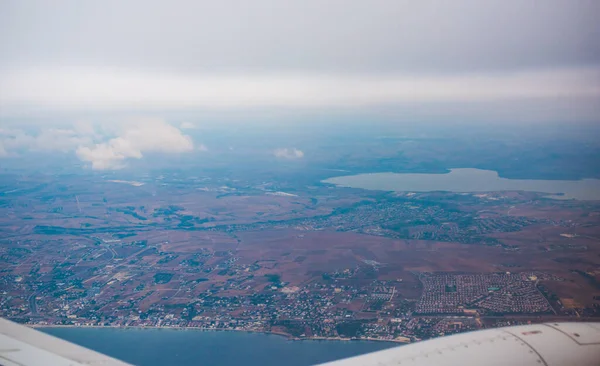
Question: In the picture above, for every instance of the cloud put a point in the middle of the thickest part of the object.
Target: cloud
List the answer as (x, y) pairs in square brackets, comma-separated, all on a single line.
[(134, 141), (51, 139), (287, 153), (104, 146)]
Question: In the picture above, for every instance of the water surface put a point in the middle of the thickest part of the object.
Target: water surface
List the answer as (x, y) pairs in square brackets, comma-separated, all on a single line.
[(470, 180), (187, 347)]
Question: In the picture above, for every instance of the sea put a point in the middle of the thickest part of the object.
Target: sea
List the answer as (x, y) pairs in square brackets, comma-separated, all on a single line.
[(470, 180), (187, 347)]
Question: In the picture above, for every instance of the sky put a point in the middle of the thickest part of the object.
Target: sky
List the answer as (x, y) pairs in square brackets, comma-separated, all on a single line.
[(509, 60)]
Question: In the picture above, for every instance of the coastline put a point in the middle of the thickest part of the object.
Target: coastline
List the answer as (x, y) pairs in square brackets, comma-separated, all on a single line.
[(281, 334)]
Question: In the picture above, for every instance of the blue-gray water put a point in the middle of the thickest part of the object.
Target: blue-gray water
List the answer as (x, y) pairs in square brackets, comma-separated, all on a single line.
[(153, 347), (470, 180)]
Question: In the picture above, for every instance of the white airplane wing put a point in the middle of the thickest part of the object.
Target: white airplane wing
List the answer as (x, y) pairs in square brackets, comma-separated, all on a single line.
[(551, 344), (23, 346)]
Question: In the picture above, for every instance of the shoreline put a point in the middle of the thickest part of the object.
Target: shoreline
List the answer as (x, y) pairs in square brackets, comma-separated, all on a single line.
[(281, 334)]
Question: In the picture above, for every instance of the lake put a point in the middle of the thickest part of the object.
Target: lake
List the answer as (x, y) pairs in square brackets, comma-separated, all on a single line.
[(183, 347), (470, 180)]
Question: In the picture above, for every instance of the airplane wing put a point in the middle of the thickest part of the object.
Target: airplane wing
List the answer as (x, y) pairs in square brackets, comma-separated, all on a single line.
[(23, 346), (551, 344)]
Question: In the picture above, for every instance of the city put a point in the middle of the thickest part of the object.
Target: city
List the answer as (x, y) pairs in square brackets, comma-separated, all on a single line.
[(354, 265)]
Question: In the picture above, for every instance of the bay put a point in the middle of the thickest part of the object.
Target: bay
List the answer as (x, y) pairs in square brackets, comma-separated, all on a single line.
[(466, 180), (183, 347)]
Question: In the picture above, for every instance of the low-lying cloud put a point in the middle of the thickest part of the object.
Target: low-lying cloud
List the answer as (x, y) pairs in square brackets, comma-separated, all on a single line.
[(47, 140), (109, 149), (136, 140), (287, 153)]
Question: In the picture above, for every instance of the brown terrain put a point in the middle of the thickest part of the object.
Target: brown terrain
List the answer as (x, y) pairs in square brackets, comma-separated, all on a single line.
[(167, 251)]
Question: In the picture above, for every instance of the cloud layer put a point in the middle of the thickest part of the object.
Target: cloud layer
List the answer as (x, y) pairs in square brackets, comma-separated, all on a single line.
[(105, 89), (308, 36), (145, 55)]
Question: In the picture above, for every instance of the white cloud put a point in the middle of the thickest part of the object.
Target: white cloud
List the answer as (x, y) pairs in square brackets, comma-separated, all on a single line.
[(136, 139), (286, 153), (108, 149), (52, 139)]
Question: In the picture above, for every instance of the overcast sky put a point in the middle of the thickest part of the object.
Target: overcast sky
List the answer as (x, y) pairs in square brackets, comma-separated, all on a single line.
[(506, 60), (228, 54), (331, 36)]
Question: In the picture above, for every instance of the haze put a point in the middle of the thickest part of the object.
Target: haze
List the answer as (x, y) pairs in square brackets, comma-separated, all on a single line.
[(500, 62)]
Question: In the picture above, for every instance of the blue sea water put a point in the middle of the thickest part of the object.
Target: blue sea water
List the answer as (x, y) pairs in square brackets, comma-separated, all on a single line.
[(153, 347)]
